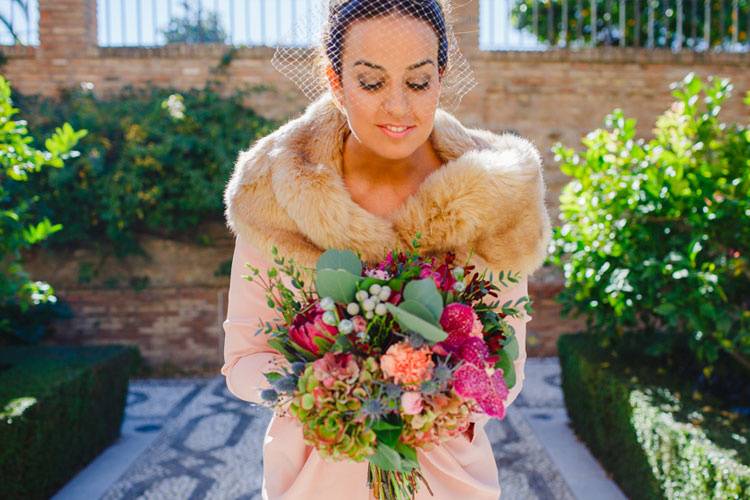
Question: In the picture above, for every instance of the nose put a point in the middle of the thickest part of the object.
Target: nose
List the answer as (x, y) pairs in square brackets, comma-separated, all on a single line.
[(396, 102)]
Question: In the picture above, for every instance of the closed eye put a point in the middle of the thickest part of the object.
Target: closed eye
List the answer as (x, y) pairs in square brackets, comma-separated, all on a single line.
[(420, 86), (371, 87)]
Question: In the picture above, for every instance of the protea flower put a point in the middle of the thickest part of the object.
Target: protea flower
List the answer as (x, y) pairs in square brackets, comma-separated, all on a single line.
[(309, 326)]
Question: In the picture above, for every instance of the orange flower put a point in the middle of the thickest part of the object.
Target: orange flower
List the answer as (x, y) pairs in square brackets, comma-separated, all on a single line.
[(407, 365)]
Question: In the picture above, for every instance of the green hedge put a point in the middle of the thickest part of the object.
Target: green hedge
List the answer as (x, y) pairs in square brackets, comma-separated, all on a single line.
[(655, 435), (59, 408)]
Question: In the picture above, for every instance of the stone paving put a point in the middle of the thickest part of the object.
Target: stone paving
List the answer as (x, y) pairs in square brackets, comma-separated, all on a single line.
[(193, 439)]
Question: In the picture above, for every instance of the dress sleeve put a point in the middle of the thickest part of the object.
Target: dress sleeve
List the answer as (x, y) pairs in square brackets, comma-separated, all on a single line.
[(514, 292), (247, 355)]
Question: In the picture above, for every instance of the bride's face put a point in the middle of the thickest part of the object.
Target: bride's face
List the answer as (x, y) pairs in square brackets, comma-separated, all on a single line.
[(390, 76)]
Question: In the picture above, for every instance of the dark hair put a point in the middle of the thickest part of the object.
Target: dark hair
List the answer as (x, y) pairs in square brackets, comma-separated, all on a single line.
[(342, 16)]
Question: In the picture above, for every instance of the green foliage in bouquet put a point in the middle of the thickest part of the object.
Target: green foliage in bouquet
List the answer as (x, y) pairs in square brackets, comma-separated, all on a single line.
[(655, 240), (155, 162), (26, 305)]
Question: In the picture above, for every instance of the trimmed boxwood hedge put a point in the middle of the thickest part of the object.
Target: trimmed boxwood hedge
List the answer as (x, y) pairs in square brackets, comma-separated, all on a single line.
[(647, 430), (59, 408)]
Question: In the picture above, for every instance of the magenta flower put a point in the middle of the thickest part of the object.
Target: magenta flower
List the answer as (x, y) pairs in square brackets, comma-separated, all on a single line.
[(486, 385), (476, 378), (309, 326), (442, 276), (458, 322)]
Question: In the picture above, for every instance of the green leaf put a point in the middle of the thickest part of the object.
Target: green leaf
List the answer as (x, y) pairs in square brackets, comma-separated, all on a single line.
[(386, 458), (387, 433), (419, 310), (509, 371), (340, 259), (510, 347), (425, 292), (281, 348), (665, 309), (322, 344), (408, 457), (384, 425), (409, 321), (273, 376), (338, 284)]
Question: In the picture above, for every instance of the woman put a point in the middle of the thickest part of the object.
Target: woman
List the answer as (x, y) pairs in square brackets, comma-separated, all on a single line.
[(341, 176)]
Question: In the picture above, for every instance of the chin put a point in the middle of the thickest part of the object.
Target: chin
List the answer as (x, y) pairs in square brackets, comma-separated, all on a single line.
[(394, 152)]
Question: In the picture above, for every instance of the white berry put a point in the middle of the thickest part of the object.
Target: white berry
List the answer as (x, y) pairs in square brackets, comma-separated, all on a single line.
[(346, 326), (352, 308), (327, 304), (329, 318)]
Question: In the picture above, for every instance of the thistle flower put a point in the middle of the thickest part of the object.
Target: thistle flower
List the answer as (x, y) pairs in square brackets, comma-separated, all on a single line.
[(372, 408)]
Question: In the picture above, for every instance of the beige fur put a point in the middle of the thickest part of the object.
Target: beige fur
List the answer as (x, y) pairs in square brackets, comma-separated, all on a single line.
[(488, 196)]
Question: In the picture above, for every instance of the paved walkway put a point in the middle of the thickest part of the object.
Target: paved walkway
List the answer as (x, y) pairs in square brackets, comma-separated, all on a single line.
[(192, 439)]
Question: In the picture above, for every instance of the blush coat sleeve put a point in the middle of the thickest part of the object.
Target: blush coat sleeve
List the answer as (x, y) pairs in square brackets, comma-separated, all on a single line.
[(247, 355)]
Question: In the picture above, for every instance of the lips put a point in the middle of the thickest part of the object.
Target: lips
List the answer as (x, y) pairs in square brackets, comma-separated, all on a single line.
[(397, 134)]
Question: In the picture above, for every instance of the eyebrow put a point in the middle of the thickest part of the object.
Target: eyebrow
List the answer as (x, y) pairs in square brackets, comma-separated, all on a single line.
[(377, 66)]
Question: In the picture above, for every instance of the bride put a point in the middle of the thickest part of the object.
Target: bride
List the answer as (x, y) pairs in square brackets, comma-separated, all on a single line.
[(371, 161)]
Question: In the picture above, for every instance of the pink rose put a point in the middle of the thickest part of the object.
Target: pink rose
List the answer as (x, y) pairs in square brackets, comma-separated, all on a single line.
[(411, 403)]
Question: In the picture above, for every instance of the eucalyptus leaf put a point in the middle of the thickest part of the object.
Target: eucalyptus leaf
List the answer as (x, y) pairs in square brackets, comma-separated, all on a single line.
[(409, 321), (419, 310), (425, 292), (338, 284), (340, 259)]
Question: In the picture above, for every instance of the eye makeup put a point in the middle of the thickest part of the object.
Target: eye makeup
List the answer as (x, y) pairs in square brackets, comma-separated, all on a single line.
[(372, 87)]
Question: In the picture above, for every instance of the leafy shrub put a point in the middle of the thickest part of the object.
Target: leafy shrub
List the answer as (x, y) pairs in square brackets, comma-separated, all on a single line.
[(655, 240), (59, 408), (26, 305), (651, 430), (156, 162)]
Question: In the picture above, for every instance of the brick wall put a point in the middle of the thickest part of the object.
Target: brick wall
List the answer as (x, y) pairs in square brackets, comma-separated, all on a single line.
[(547, 97)]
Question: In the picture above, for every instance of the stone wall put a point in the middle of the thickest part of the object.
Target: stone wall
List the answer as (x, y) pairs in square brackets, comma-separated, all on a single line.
[(548, 97)]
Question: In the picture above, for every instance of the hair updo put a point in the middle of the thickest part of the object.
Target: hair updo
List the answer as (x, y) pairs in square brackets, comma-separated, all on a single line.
[(343, 15)]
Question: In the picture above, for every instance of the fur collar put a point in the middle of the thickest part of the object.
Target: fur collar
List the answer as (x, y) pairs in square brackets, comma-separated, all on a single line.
[(287, 190)]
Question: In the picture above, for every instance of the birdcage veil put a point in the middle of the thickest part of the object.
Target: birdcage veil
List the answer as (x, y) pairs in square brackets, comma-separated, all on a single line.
[(303, 53)]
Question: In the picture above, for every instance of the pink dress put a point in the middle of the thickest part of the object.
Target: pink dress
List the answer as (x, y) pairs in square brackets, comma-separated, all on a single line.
[(458, 469)]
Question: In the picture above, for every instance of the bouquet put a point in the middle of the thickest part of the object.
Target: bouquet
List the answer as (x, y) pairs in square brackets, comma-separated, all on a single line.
[(386, 359)]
